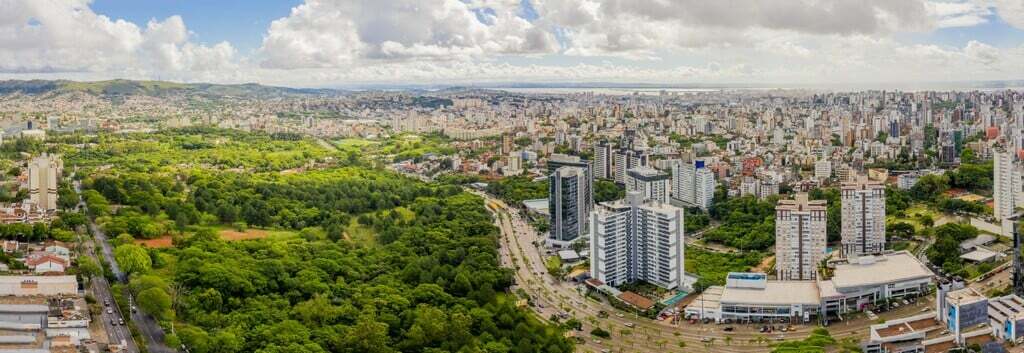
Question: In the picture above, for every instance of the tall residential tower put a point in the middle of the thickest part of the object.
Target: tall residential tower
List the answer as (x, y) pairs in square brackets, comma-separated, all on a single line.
[(799, 237)]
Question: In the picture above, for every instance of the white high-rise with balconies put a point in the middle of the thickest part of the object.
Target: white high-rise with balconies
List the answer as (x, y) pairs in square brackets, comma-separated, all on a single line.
[(799, 237), (603, 161), (693, 184), (863, 217), (43, 173), (651, 183), (1007, 187), (636, 240)]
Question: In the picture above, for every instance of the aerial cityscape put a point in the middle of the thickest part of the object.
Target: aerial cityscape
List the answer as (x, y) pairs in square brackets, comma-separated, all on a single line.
[(520, 176)]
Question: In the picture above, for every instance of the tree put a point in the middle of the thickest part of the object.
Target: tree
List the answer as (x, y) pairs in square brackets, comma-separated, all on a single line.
[(900, 230), (156, 302), (967, 156), (88, 267), (132, 259)]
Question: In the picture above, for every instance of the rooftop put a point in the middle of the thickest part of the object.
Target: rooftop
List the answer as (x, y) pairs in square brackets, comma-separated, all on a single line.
[(775, 293), (801, 203), (636, 300), (882, 269)]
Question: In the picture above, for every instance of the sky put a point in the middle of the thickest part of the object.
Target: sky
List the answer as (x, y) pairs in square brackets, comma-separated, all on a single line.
[(339, 43)]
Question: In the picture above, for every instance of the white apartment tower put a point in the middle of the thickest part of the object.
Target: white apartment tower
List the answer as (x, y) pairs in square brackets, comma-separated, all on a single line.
[(863, 221), (1006, 178), (625, 160), (603, 161), (823, 169), (634, 240), (651, 183), (799, 238), (43, 173), (693, 184)]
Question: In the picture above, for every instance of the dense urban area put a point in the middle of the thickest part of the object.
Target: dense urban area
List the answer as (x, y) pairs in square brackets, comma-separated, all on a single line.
[(148, 216)]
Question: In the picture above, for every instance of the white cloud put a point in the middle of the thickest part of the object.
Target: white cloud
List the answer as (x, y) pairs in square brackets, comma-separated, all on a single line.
[(1011, 11), (335, 42), (67, 36), (322, 33)]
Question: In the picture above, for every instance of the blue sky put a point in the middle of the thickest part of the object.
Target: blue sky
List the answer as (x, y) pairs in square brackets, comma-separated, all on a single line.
[(240, 22)]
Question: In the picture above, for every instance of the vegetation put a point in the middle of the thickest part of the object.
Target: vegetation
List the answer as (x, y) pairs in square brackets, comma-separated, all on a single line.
[(945, 253), (514, 190), (747, 223), (712, 267), (819, 341), (606, 190), (427, 281)]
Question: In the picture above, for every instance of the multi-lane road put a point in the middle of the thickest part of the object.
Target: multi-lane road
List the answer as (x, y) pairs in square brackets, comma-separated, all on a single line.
[(521, 251), (113, 318)]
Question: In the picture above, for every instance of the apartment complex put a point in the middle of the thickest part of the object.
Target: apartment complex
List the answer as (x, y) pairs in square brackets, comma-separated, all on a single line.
[(693, 184), (863, 217), (1008, 187), (799, 237), (636, 239), (43, 173), (651, 183)]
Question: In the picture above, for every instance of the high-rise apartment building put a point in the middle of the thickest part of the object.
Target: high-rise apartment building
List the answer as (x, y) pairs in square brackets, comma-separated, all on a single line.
[(863, 218), (1007, 185), (43, 173), (634, 240), (693, 184), (799, 237), (651, 183), (625, 160), (603, 160), (568, 205), (823, 169)]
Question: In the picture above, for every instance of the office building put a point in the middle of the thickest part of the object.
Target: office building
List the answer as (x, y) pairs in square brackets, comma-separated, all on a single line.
[(693, 184), (863, 217), (603, 161), (651, 183), (799, 238), (43, 174), (637, 240), (568, 206), (962, 309)]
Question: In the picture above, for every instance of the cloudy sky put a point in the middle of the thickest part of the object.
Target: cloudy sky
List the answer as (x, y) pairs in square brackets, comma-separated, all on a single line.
[(316, 43)]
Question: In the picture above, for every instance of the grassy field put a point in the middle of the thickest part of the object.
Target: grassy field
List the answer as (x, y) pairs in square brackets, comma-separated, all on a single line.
[(226, 233), (914, 214)]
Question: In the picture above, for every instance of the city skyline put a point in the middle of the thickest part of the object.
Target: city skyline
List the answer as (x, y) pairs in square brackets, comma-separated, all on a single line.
[(349, 43)]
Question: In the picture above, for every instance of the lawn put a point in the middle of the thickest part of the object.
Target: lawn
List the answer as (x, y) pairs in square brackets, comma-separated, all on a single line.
[(914, 214)]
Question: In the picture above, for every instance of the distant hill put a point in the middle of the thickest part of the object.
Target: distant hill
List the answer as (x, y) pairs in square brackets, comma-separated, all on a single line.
[(156, 88)]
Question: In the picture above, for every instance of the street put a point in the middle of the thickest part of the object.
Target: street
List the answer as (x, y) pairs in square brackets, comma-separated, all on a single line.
[(101, 290)]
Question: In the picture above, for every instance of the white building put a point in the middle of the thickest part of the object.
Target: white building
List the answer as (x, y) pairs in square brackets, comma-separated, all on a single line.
[(627, 159), (823, 169), (514, 165), (633, 240), (693, 184), (43, 173), (907, 180), (799, 238), (651, 183), (603, 161), (1007, 186), (863, 218)]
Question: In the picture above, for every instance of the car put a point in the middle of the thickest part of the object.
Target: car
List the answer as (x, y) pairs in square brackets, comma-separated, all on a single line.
[(706, 339), (619, 315), (728, 329), (110, 311), (113, 322), (630, 325), (606, 350), (120, 321), (106, 302)]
